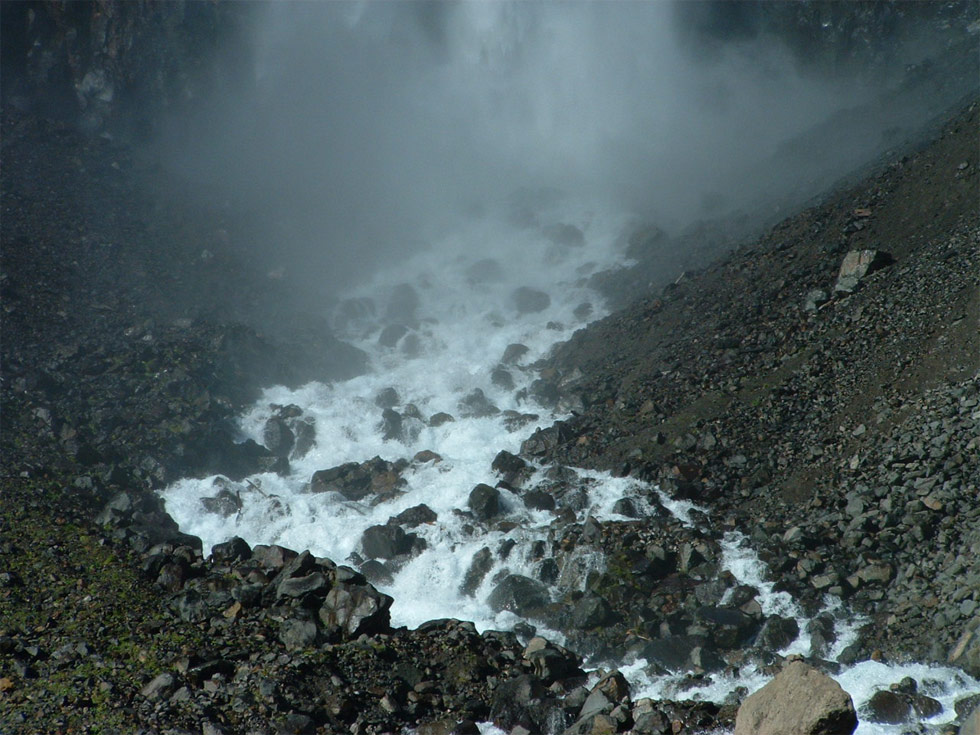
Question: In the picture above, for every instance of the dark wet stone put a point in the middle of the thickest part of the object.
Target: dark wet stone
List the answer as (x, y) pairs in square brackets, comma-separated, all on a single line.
[(391, 334), (530, 300), (414, 516), (513, 354), (518, 594), (476, 405), (484, 502), (235, 549), (387, 542), (481, 564)]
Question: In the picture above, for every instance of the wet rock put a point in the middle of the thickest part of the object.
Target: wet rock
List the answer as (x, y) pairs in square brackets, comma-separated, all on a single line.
[(543, 441), (403, 302), (387, 398), (513, 354), (376, 572), (508, 464), (354, 313), (414, 516), (545, 392), (798, 701), (591, 612), (387, 542), (272, 557), (391, 425), (856, 265), (530, 300), (278, 437), (356, 481), (226, 503), (304, 585), (475, 404), (887, 707), (777, 633), (727, 628), (518, 594), (524, 702), (482, 563), (502, 378), (538, 500), (438, 419), (485, 271), (484, 502), (391, 334), (565, 235)]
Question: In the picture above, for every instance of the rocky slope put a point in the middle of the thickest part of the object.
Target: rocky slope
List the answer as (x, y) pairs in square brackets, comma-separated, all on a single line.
[(834, 420)]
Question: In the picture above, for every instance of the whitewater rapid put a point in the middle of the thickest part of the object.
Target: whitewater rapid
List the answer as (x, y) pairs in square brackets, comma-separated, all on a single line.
[(464, 319)]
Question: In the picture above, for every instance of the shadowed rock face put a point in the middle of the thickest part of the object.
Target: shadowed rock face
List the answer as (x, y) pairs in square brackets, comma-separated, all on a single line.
[(99, 63), (799, 701)]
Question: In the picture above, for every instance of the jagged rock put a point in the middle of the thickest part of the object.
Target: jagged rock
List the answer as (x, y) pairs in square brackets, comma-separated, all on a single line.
[(272, 557), (297, 634), (278, 437), (475, 404), (887, 707), (856, 265), (777, 632), (356, 481), (551, 662), (815, 299), (414, 516), (513, 353), (391, 425), (538, 500), (159, 687), (226, 503), (235, 549), (798, 701), (519, 594), (356, 610), (591, 612), (727, 628)]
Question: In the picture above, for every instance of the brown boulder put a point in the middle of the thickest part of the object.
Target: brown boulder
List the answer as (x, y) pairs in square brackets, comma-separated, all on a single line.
[(798, 701)]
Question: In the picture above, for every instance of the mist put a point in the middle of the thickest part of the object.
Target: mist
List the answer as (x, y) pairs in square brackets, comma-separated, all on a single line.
[(368, 129)]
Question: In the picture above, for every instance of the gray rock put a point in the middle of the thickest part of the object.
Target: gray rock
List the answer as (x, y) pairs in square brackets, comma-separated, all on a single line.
[(481, 564), (971, 725), (519, 594), (356, 609), (297, 634), (513, 354), (387, 542), (530, 300), (966, 652), (814, 299), (159, 687), (551, 662), (475, 404), (887, 707), (856, 265), (798, 701)]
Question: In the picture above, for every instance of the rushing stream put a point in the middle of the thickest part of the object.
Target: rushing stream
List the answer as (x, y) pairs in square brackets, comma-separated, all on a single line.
[(465, 318)]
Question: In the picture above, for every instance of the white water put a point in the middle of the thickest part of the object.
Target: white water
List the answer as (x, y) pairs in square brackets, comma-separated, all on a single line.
[(464, 328)]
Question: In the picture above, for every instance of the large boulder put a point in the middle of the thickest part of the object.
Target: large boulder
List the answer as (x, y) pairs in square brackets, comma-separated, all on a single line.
[(798, 701), (518, 594)]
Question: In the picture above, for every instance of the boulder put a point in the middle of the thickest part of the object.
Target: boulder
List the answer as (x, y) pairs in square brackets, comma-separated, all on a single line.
[(481, 564), (971, 725), (565, 235), (519, 594), (475, 404), (887, 707), (403, 302), (387, 542), (356, 609), (550, 661), (856, 265), (355, 481), (966, 653), (484, 501), (485, 271), (798, 701), (513, 353), (530, 300)]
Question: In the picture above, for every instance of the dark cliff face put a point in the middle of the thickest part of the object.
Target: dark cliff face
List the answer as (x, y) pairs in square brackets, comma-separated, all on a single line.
[(865, 37), (120, 65)]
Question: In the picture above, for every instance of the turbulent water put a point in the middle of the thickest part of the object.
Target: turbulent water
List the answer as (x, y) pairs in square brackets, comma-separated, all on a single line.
[(465, 319)]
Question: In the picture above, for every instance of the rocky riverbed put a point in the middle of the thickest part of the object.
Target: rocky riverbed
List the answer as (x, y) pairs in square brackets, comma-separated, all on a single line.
[(814, 392)]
